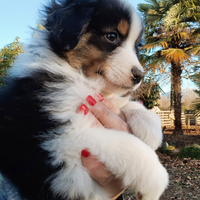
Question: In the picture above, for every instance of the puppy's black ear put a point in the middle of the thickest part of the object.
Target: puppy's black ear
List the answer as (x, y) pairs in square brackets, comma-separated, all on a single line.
[(66, 21)]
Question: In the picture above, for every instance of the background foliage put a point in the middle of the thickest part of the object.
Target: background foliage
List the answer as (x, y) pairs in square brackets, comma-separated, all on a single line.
[(8, 55), (148, 93)]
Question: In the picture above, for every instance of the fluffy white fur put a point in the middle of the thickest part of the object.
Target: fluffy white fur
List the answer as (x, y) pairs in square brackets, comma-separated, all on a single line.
[(129, 157), (140, 119), (125, 155)]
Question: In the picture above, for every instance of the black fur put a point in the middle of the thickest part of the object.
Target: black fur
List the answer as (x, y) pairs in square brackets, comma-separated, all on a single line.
[(22, 120), (66, 21)]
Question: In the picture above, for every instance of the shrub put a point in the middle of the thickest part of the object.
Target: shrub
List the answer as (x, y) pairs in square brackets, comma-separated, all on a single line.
[(192, 151), (166, 150)]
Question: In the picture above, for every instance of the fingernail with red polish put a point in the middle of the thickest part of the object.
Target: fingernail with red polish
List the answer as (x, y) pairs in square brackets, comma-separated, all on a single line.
[(85, 153), (100, 96), (91, 100), (83, 108)]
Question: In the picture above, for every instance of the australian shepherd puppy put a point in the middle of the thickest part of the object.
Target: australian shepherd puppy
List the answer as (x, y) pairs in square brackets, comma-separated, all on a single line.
[(88, 47)]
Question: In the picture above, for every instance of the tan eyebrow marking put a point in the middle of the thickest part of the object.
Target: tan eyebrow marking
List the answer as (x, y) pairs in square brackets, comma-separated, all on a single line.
[(123, 27)]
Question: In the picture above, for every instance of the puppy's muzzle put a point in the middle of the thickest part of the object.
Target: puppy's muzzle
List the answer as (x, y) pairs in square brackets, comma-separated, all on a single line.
[(137, 75)]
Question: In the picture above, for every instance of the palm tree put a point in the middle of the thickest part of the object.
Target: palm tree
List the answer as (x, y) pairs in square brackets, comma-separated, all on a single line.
[(172, 43)]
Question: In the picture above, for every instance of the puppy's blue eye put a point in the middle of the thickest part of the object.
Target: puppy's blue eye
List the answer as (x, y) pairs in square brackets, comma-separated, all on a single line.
[(112, 37)]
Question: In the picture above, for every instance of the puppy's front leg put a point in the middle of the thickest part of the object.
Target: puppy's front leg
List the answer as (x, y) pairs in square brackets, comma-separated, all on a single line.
[(123, 154), (131, 160), (145, 124)]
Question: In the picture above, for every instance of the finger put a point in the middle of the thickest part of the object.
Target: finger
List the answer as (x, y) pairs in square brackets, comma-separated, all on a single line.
[(106, 117), (96, 169), (100, 174), (84, 109), (110, 106)]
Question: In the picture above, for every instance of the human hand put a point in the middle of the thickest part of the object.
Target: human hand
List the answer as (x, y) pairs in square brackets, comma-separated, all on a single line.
[(104, 114)]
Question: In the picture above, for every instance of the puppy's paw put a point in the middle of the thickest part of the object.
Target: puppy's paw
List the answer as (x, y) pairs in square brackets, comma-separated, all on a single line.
[(145, 124), (154, 187), (151, 180)]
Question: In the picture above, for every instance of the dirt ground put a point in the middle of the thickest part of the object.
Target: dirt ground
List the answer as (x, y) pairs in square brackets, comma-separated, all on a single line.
[(184, 174), (191, 136)]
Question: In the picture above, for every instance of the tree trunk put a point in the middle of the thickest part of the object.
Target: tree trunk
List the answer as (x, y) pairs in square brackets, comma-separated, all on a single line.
[(176, 81)]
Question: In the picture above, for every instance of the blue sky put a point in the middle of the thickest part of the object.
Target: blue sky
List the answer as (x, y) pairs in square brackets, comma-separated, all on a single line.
[(17, 16)]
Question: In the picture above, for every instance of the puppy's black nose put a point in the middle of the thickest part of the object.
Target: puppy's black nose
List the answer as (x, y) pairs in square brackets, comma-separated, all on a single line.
[(137, 75)]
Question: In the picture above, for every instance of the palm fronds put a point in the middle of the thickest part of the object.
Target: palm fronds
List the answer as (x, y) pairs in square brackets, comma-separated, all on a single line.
[(194, 50), (175, 55), (196, 33)]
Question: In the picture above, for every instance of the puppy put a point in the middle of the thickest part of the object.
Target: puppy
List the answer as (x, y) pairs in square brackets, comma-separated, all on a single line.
[(88, 47)]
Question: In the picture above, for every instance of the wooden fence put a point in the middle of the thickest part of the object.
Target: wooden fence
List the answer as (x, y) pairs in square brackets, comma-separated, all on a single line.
[(167, 118)]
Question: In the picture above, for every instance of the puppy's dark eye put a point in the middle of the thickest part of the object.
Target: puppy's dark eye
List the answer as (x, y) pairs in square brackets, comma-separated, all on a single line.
[(112, 37)]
